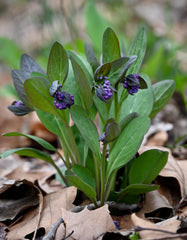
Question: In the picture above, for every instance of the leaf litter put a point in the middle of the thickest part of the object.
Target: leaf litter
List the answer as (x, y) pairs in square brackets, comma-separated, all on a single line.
[(163, 209)]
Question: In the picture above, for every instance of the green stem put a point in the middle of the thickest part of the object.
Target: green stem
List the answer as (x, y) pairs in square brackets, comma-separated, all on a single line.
[(64, 140), (116, 110), (97, 175), (110, 184), (66, 160), (72, 140), (103, 160), (60, 174)]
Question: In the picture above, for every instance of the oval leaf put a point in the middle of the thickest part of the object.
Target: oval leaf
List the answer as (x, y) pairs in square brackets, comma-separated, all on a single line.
[(40, 141), (111, 47), (77, 182), (37, 90), (127, 143), (87, 128), (29, 152), (92, 59), (138, 48), (136, 189), (82, 84), (57, 68), (147, 166), (162, 92)]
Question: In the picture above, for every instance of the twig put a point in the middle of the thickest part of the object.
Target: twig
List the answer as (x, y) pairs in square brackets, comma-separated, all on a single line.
[(52, 231), (138, 229), (114, 208), (39, 213), (69, 235), (175, 236)]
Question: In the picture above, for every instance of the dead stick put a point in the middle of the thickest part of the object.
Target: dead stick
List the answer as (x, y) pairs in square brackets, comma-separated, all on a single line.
[(52, 231)]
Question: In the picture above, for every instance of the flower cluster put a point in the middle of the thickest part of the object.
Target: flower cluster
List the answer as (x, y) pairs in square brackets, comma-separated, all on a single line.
[(131, 83), (107, 89), (104, 91), (62, 100)]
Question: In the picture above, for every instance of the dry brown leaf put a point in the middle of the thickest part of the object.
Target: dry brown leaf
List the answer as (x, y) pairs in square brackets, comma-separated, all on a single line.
[(3, 231), (88, 225), (16, 196), (9, 165), (159, 139), (153, 201), (168, 225), (43, 177), (51, 213), (183, 212)]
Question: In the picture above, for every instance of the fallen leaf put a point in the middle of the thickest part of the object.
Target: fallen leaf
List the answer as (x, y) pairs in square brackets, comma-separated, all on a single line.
[(3, 231), (154, 201), (16, 196), (169, 225), (159, 139), (88, 225), (51, 213), (42, 176), (8, 165)]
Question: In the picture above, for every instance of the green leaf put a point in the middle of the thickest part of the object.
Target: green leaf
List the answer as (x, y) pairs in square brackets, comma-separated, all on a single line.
[(114, 70), (87, 128), (141, 102), (83, 180), (38, 74), (127, 143), (95, 24), (147, 166), (40, 141), (136, 189), (162, 92), (57, 68), (85, 174), (37, 90), (111, 48), (83, 63), (90, 55), (126, 120), (102, 70), (50, 121), (82, 84), (29, 152), (138, 48)]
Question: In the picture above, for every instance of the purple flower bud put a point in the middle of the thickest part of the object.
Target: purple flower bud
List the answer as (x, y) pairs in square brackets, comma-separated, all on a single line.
[(18, 103), (131, 83)]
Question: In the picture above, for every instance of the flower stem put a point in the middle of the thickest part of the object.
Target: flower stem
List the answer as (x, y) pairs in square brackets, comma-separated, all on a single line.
[(60, 174), (64, 142), (97, 175), (103, 159), (116, 110), (72, 140)]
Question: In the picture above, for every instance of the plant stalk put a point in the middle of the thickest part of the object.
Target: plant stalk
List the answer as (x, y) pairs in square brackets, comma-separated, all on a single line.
[(103, 159)]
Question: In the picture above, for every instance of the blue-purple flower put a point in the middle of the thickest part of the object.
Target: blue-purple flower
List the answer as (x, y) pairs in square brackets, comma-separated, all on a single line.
[(62, 100), (19, 108), (131, 83), (104, 91)]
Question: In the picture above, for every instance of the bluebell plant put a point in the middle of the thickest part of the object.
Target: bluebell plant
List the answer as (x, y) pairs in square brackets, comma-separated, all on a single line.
[(110, 104)]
